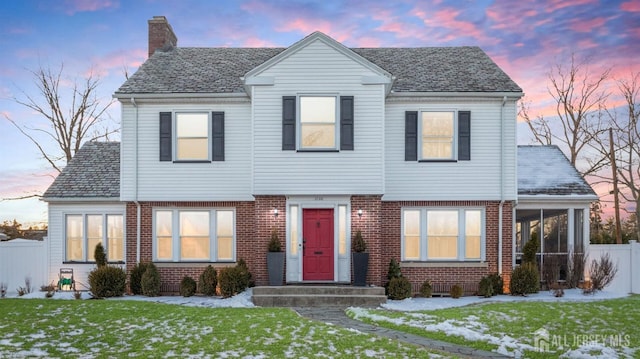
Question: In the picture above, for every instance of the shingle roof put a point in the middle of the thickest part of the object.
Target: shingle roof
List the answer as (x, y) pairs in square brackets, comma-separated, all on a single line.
[(218, 70), (94, 172), (545, 170)]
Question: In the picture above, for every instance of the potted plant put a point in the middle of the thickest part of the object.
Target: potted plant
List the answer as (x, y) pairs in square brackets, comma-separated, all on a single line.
[(275, 260), (360, 260)]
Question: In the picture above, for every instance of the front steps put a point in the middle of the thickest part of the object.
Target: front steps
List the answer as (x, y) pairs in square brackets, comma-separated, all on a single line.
[(318, 296)]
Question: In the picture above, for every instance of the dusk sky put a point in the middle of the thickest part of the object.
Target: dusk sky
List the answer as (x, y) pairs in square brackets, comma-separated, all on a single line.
[(107, 36)]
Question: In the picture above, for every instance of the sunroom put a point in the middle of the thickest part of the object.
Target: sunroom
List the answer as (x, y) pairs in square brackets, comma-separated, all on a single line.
[(553, 207)]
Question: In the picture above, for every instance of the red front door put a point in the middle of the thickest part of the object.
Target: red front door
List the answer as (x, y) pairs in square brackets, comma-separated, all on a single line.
[(317, 234)]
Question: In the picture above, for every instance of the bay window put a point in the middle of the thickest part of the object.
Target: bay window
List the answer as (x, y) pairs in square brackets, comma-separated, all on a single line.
[(194, 235), (442, 234)]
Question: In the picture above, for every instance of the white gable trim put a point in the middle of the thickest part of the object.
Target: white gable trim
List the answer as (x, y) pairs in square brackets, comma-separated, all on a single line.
[(327, 40)]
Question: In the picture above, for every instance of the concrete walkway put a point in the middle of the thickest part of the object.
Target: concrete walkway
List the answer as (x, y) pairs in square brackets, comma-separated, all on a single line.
[(337, 316)]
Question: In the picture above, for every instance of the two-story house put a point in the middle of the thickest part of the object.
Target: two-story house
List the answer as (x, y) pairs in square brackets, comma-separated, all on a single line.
[(414, 147)]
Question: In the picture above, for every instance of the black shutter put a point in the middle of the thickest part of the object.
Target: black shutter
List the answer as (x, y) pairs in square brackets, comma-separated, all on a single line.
[(464, 135), (288, 123), (346, 123), (217, 136), (411, 136), (165, 136)]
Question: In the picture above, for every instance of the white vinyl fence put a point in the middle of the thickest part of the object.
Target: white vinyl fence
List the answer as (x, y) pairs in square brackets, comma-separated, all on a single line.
[(22, 258), (627, 257)]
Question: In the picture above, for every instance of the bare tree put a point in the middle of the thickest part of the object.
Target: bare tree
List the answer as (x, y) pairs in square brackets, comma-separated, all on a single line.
[(71, 121), (579, 96), (627, 143)]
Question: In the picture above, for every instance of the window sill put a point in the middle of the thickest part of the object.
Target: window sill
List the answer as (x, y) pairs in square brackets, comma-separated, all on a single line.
[(443, 161), (85, 262), (448, 264), (195, 161), (319, 150), (192, 264)]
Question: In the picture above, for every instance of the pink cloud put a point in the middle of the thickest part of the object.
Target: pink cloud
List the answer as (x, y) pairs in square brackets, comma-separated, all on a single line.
[(25, 182), (369, 42), (75, 6), (257, 42), (588, 26), (446, 19), (116, 62), (555, 5), (308, 26), (630, 6)]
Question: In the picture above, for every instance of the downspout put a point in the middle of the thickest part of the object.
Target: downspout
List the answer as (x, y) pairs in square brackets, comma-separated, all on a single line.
[(502, 200), (133, 102)]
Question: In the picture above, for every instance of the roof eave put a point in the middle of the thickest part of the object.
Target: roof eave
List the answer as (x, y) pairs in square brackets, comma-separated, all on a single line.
[(80, 199), (496, 94), (175, 95), (559, 198)]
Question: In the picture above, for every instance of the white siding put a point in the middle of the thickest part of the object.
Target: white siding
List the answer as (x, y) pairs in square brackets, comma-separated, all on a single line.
[(318, 68), (56, 237), (477, 179), (165, 181)]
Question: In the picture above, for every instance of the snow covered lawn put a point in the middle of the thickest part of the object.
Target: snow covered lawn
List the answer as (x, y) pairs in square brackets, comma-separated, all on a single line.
[(163, 327), (575, 326)]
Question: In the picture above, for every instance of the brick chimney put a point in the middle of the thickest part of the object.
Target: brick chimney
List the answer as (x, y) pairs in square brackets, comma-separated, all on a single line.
[(160, 34)]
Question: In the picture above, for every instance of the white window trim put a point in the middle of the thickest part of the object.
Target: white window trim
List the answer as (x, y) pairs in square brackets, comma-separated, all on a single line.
[(174, 134), (87, 255), (454, 143), (175, 235), (424, 255), (299, 146)]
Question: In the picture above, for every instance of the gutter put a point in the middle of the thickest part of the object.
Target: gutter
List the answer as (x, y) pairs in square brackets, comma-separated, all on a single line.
[(502, 200), (138, 214)]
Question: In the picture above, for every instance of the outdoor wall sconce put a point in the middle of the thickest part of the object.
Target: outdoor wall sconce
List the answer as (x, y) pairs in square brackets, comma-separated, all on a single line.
[(275, 212), (360, 212)]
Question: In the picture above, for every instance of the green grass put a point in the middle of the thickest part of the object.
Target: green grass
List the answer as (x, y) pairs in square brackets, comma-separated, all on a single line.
[(570, 324), (104, 328)]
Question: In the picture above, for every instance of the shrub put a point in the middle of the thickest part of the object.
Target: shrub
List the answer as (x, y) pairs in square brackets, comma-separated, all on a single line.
[(425, 289), (497, 283), (394, 270), (485, 287), (47, 288), (399, 288), (3, 290), (575, 269), (358, 245), (150, 282), (530, 249), (208, 281), (100, 256), (234, 280), (274, 242), (601, 272), (525, 280), (456, 291), (187, 286), (107, 281), (77, 294), (246, 278), (136, 277)]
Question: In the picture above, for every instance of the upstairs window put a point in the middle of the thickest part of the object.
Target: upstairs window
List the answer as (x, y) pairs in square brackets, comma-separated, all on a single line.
[(192, 137), (438, 131), (437, 136), (317, 122)]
